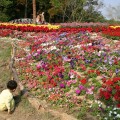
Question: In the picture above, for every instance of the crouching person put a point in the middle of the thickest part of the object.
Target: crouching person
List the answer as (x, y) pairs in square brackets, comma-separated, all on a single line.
[(6, 97)]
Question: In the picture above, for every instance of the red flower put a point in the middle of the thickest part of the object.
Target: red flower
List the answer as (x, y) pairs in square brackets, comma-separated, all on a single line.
[(91, 65), (104, 80), (107, 95), (91, 71), (118, 105), (97, 72), (109, 89), (83, 81), (109, 82), (117, 87), (116, 96), (116, 79)]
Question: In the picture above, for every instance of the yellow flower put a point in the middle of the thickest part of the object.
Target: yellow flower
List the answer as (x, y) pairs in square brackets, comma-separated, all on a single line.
[(33, 25), (114, 27)]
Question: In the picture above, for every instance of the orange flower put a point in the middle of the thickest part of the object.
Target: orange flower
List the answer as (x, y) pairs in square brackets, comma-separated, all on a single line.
[(54, 97)]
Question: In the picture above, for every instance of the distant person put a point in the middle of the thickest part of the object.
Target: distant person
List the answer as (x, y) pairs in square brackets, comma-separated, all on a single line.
[(6, 97), (42, 18), (38, 19)]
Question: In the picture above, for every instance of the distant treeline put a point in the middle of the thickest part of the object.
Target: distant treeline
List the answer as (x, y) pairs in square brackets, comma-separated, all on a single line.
[(56, 11)]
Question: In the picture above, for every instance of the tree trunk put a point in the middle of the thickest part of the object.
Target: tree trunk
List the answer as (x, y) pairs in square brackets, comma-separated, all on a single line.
[(34, 11), (26, 8)]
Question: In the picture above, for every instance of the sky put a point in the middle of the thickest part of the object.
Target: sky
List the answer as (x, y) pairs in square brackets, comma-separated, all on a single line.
[(107, 3)]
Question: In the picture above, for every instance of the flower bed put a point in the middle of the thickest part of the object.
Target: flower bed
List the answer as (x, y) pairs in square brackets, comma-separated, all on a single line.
[(70, 68), (67, 69), (29, 27), (107, 30)]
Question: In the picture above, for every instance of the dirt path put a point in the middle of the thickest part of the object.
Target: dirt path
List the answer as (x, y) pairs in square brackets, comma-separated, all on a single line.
[(24, 110)]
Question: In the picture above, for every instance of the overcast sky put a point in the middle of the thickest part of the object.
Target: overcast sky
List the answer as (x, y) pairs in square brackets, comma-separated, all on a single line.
[(108, 3)]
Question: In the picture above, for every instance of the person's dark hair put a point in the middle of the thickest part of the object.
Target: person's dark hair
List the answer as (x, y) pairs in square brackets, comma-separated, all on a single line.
[(12, 84)]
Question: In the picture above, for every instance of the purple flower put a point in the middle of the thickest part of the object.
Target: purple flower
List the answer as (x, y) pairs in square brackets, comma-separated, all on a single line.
[(72, 64), (38, 51), (60, 75), (29, 56), (110, 62), (105, 61), (35, 54), (78, 91), (81, 87), (66, 59), (117, 71), (62, 85)]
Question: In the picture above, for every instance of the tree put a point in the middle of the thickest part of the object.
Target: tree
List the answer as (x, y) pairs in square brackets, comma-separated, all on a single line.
[(24, 3), (79, 10), (34, 11), (55, 10), (4, 6)]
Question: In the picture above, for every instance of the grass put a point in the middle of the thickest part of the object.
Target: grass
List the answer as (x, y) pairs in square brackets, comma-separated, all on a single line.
[(5, 53)]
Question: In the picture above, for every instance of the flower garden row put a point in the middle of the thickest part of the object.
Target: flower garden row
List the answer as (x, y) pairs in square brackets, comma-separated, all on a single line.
[(104, 28), (71, 67)]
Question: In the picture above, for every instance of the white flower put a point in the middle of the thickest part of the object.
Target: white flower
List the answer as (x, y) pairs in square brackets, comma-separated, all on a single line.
[(72, 76), (99, 105), (96, 101), (114, 108), (115, 112), (90, 106), (105, 118), (110, 114), (118, 116), (90, 44)]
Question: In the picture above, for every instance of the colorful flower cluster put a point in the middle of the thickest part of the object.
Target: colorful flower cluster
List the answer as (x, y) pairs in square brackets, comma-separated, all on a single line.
[(71, 65)]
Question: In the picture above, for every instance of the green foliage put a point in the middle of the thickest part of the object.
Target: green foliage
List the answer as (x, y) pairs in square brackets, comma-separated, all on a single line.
[(82, 111), (79, 10), (114, 22), (4, 6), (55, 10), (5, 50), (5, 3), (112, 113), (112, 37)]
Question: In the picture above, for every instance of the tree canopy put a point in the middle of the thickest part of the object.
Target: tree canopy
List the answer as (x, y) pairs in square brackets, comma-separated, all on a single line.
[(55, 10)]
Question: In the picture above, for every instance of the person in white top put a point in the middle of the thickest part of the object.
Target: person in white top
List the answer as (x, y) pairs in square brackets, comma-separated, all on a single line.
[(38, 19), (42, 18), (6, 97)]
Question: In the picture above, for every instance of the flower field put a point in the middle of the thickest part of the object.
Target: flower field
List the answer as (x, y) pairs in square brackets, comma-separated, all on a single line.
[(70, 66)]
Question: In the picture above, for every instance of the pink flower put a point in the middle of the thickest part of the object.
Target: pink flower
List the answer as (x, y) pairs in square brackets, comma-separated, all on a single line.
[(89, 91), (38, 66), (78, 91), (62, 85)]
